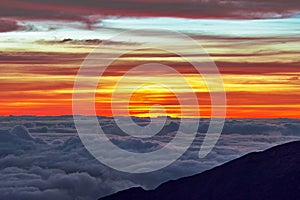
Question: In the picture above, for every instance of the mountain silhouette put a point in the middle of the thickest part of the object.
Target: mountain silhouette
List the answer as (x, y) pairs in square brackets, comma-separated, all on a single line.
[(268, 175)]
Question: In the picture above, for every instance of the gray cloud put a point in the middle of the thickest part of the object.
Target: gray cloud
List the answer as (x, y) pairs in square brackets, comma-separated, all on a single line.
[(60, 166), (88, 10)]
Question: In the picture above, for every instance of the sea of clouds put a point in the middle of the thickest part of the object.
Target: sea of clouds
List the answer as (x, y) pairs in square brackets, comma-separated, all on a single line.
[(43, 157)]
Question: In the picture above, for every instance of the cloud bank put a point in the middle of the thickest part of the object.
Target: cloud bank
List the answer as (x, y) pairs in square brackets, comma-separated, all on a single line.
[(43, 158)]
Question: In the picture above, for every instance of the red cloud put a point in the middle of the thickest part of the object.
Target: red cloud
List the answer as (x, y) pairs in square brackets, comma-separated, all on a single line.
[(78, 9), (8, 25)]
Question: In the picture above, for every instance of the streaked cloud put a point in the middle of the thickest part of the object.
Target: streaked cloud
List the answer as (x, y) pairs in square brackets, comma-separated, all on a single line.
[(258, 60), (79, 10)]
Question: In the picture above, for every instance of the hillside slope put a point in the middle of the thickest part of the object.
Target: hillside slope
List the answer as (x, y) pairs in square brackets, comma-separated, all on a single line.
[(271, 174)]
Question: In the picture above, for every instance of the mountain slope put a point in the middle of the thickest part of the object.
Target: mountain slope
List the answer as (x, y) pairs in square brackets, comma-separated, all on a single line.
[(271, 174)]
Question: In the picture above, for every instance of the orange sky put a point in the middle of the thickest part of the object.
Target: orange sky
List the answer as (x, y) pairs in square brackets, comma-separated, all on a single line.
[(37, 70)]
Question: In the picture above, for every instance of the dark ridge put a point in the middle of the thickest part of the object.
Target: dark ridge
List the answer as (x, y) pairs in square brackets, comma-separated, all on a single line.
[(269, 175)]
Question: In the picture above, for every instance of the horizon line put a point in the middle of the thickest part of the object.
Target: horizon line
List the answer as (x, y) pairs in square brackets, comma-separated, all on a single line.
[(170, 117)]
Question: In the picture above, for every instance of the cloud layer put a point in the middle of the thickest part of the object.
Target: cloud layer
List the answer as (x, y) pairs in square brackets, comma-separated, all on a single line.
[(51, 162)]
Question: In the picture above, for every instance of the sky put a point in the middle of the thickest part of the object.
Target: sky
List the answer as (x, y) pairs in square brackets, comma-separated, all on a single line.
[(255, 45)]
